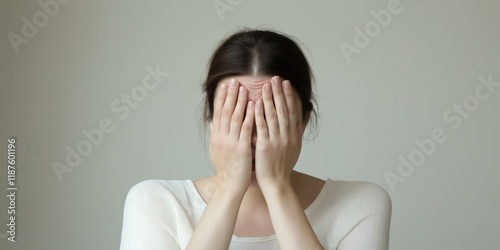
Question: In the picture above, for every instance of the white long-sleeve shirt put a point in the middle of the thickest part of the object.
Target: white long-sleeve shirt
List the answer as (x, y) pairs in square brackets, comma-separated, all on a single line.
[(346, 215)]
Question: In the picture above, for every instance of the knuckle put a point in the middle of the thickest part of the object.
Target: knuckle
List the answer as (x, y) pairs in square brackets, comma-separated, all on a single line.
[(264, 147), (261, 125), (226, 112), (245, 127), (233, 147), (219, 143), (242, 148), (284, 122), (261, 146), (236, 117), (282, 111)]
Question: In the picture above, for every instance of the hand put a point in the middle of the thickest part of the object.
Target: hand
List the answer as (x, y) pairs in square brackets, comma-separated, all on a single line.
[(279, 133), (230, 136)]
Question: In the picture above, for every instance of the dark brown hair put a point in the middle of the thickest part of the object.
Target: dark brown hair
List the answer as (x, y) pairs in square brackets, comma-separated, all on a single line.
[(265, 53)]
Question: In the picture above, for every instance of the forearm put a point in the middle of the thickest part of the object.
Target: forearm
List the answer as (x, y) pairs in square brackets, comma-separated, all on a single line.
[(290, 223), (216, 226)]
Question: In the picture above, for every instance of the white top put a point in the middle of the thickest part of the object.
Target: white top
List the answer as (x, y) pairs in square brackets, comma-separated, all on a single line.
[(346, 215)]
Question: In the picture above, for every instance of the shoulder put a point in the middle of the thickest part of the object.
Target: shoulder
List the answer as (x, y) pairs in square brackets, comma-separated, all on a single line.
[(151, 192), (150, 187), (360, 194), (158, 184), (360, 215), (155, 215)]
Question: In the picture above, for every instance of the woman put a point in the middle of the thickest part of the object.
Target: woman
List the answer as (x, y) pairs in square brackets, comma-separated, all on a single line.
[(258, 102)]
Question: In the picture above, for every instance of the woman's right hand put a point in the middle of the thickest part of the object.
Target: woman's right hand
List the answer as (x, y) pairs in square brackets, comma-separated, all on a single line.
[(231, 154), (230, 137)]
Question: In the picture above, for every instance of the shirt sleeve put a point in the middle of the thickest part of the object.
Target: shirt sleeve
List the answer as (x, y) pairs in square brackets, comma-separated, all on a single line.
[(145, 220), (372, 230)]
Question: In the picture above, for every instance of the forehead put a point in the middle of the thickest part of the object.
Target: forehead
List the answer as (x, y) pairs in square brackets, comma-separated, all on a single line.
[(254, 86), (251, 83)]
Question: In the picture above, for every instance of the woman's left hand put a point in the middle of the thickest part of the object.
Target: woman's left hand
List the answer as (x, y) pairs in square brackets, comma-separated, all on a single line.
[(279, 133)]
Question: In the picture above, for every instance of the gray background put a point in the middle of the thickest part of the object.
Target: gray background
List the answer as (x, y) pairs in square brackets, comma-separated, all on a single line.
[(428, 58)]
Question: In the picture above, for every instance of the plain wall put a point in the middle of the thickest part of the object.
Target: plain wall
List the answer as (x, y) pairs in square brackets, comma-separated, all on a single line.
[(374, 104)]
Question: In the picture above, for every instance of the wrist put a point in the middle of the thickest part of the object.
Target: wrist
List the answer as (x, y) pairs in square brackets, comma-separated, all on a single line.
[(227, 187), (277, 187)]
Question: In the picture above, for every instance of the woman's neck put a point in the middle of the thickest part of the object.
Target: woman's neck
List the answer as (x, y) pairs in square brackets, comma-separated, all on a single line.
[(254, 198)]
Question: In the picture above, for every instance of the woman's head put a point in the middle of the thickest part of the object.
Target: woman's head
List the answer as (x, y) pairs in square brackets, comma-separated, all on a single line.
[(258, 55)]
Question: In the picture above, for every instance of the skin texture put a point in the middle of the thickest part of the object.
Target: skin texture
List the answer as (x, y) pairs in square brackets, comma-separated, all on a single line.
[(257, 124)]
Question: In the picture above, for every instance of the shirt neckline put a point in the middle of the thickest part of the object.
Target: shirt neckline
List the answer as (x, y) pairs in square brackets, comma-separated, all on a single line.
[(307, 211)]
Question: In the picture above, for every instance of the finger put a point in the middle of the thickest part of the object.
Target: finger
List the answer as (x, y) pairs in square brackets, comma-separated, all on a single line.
[(269, 111), (260, 121), (290, 103), (228, 108), (247, 126), (239, 112), (280, 105), (218, 104)]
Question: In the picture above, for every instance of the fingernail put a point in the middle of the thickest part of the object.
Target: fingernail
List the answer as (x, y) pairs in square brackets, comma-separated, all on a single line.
[(232, 83), (267, 87), (275, 78), (223, 86), (287, 84)]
